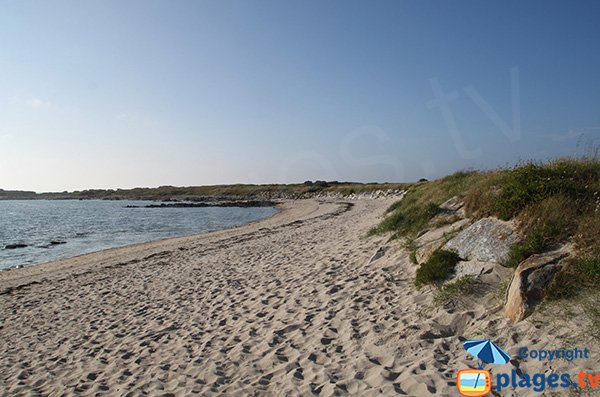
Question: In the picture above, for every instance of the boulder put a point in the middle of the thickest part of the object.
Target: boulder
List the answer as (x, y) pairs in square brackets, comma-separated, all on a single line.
[(455, 205), (487, 240), (490, 273), (450, 211), (423, 253), (529, 282), (472, 268), (435, 239)]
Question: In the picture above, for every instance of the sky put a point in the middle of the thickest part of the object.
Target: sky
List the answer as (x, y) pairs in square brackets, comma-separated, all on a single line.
[(121, 94)]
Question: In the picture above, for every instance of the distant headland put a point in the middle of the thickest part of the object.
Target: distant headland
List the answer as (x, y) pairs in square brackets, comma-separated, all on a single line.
[(212, 193)]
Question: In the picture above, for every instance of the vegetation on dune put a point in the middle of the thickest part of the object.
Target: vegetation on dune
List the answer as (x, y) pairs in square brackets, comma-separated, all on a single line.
[(551, 203), (242, 190), (410, 216), (199, 192), (449, 292), (437, 268), (580, 273), (533, 244), (531, 184)]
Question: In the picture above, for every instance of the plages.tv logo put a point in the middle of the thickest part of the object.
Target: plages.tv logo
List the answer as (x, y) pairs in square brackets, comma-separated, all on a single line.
[(478, 382)]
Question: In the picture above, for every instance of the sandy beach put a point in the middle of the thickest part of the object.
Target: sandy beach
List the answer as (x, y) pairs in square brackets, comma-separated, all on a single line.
[(300, 304)]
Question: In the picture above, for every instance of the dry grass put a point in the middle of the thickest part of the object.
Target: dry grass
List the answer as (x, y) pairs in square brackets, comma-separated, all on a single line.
[(450, 292), (481, 197), (411, 215), (552, 202), (587, 236), (555, 218)]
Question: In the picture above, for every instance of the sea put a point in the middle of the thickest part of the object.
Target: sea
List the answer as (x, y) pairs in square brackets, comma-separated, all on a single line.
[(58, 229)]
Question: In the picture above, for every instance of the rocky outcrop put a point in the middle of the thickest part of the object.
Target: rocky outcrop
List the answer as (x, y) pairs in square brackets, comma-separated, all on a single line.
[(14, 246), (472, 268), (529, 282), (452, 216), (243, 204), (281, 195), (487, 240), (487, 272), (267, 198), (450, 211), (359, 196), (434, 239)]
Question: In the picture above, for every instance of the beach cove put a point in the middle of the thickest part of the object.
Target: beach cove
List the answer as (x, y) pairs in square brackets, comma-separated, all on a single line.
[(302, 303)]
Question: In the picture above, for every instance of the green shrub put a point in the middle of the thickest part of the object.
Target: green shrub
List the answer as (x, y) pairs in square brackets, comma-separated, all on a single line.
[(411, 215), (552, 202), (409, 220), (437, 268), (531, 183), (533, 244), (481, 197)]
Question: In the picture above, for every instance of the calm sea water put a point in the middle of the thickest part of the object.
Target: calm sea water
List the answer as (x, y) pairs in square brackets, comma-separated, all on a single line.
[(92, 225)]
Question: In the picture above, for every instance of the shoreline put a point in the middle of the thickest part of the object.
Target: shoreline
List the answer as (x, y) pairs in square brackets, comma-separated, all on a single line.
[(26, 247), (301, 303), (10, 277)]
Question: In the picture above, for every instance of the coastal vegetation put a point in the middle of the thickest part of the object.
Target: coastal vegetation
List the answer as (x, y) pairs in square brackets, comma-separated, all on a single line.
[(411, 215), (192, 193), (437, 268), (551, 203), (451, 291)]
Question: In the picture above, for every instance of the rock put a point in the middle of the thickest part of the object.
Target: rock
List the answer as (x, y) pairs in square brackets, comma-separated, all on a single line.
[(57, 242), (240, 203), (379, 253), (15, 246), (490, 273), (529, 282), (450, 211), (423, 253), (472, 268), (452, 205), (487, 240), (441, 232), (435, 239)]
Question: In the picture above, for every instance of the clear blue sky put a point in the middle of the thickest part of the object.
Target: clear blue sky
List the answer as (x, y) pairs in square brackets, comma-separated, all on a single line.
[(108, 94)]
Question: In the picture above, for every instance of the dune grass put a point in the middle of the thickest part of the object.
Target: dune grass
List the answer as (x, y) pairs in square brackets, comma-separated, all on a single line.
[(551, 203), (411, 215), (449, 292)]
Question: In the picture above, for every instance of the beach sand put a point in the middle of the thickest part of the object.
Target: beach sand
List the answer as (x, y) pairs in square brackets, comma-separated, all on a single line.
[(302, 303)]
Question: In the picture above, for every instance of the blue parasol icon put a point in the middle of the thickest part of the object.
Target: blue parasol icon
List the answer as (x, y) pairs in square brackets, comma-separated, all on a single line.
[(487, 351)]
